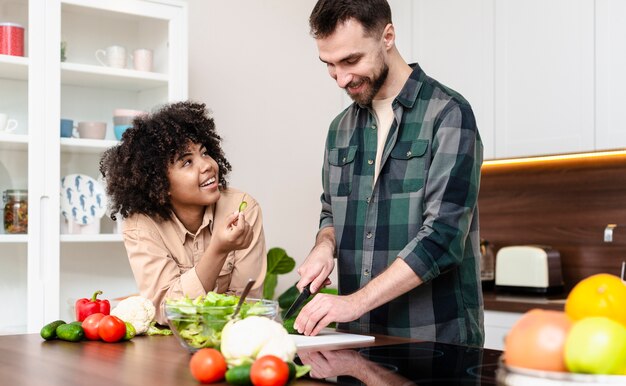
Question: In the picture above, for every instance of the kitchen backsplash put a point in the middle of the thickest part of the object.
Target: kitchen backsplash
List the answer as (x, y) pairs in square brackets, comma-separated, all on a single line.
[(565, 204)]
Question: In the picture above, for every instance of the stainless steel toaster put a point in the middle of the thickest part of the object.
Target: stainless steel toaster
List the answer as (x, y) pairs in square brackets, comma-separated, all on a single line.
[(528, 269)]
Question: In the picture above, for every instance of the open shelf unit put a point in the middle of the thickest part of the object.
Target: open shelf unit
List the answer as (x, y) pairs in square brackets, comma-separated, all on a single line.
[(42, 271)]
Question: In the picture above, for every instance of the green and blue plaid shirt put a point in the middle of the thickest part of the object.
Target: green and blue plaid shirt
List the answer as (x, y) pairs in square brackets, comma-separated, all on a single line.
[(422, 208)]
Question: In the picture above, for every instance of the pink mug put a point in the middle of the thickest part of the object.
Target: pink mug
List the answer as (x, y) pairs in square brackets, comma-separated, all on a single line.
[(142, 59)]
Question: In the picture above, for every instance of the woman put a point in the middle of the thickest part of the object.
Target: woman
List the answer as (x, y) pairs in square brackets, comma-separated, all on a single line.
[(183, 232)]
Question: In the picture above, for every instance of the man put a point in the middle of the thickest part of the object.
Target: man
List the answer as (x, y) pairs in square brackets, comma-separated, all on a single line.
[(401, 176)]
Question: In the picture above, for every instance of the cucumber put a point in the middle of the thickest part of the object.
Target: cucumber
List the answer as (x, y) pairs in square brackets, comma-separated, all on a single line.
[(239, 375), (70, 332), (77, 323), (130, 331), (292, 370), (49, 331)]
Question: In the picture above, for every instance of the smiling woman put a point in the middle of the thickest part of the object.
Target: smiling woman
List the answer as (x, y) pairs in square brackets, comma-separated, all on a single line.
[(167, 179)]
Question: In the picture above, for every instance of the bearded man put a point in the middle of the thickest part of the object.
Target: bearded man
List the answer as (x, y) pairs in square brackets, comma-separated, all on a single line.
[(401, 177)]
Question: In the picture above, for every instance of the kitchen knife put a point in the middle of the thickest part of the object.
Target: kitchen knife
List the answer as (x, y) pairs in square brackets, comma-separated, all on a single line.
[(304, 295)]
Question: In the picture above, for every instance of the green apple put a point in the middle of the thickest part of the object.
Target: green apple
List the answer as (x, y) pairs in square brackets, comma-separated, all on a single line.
[(596, 345)]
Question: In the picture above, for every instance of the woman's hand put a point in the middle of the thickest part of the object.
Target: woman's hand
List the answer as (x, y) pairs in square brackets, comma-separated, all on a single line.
[(233, 234)]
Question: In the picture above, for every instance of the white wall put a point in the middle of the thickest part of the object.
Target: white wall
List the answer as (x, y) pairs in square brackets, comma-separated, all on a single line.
[(256, 67)]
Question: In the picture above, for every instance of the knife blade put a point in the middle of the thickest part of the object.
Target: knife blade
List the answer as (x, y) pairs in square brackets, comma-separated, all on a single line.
[(304, 295)]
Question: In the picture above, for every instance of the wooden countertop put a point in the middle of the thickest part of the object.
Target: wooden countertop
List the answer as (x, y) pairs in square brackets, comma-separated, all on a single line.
[(521, 303), (145, 360)]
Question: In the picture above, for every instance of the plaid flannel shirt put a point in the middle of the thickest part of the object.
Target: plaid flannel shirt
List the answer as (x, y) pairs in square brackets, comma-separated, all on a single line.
[(422, 208)]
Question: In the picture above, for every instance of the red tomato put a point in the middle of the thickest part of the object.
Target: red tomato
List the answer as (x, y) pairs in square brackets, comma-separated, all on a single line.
[(207, 365), (269, 370), (111, 329), (90, 326)]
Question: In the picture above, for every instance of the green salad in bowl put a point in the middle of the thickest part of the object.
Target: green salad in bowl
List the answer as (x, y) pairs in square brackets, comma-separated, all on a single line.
[(198, 323)]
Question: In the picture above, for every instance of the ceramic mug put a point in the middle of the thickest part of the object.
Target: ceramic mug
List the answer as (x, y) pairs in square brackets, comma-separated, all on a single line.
[(6, 124), (123, 120), (68, 129), (142, 59), (114, 56), (93, 130)]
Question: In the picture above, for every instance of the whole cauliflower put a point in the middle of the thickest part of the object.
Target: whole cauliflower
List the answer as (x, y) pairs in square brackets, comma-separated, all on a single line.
[(136, 310), (245, 340)]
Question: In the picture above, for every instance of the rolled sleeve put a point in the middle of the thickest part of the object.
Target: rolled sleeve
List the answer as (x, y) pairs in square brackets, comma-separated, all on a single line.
[(451, 192)]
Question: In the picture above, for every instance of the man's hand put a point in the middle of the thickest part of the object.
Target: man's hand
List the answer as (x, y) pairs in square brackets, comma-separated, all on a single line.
[(324, 309), (319, 263)]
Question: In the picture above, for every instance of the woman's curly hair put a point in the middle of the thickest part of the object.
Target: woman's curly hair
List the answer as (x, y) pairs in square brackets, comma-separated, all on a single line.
[(135, 170)]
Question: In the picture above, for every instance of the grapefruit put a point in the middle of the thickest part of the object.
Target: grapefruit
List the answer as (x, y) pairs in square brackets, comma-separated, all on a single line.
[(537, 340)]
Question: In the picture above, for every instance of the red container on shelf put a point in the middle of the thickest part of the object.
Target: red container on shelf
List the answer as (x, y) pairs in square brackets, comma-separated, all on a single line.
[(11, 39)]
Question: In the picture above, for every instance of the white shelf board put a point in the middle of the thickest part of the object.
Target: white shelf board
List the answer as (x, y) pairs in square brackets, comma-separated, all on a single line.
[(86, 146), (96, 238), (84, 75), (119, 9), (19, 238), (13, 141), (13, 67)]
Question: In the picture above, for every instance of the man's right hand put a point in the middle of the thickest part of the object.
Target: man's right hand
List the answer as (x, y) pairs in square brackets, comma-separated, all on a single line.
[(319, 263)]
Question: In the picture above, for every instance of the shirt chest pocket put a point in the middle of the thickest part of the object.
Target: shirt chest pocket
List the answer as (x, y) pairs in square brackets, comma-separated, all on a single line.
[(341, 170), (406, 166)]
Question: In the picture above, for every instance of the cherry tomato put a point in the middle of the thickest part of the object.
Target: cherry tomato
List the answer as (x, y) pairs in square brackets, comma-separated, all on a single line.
[(111, 329), (90, 326), (207, 365), (269, 370)]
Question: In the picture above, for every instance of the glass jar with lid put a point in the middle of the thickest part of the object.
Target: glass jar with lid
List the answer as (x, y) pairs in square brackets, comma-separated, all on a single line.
[(15, 211)]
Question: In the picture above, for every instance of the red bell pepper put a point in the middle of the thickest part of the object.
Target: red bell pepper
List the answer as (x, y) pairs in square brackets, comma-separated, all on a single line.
[(85, 307)]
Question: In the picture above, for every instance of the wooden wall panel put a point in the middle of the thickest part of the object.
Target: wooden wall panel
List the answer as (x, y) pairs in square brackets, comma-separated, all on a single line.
[(565, 204)]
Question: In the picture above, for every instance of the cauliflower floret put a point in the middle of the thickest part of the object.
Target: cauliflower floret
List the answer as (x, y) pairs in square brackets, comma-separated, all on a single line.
[(245, 340), (136, 310)]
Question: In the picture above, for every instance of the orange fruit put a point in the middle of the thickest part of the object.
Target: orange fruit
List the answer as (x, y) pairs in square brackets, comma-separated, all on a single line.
[(537, 340), (602, 294)]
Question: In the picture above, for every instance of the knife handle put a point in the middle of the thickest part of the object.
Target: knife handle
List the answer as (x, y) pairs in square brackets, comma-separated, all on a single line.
[(307, 289)]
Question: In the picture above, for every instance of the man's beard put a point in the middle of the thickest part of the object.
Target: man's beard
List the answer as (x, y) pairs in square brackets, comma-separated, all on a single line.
[(371, 87)]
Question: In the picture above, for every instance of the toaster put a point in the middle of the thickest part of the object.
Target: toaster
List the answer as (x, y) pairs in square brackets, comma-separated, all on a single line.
[(528, 269)]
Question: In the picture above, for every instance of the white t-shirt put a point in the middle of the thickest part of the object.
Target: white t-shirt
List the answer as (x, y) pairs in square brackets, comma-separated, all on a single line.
[(384, 118)]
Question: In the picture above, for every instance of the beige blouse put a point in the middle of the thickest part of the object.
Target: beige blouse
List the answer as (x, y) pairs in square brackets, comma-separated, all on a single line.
[(163, 255)]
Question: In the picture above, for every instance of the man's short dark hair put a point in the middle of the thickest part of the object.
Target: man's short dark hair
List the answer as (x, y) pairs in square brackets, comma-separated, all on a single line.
[(374, 15)]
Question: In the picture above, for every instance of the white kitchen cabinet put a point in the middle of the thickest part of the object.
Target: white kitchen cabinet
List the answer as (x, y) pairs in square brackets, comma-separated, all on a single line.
[(544, 77), (44, 271), (456, 48), (497, 325), (610, 75)]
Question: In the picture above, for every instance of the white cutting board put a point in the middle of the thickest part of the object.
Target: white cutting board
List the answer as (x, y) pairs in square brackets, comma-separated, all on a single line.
[(327, 337)]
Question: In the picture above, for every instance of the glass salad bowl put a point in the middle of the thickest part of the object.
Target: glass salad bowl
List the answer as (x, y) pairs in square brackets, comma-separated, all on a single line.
[(198, 323)]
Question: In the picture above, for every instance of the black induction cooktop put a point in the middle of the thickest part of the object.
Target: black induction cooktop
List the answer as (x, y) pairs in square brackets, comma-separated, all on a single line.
[(421, 363)]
